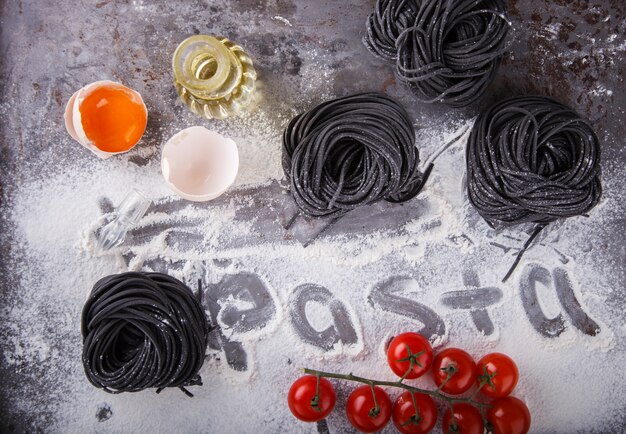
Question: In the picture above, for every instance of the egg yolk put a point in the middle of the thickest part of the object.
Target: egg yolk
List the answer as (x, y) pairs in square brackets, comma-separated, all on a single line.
[(113, 118)]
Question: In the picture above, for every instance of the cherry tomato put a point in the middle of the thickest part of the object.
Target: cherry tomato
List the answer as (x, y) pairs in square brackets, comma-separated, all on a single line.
[(503, 372), (399, 358), (360, 409), (457, 360), (466, 420), (404, 416), (509, 415), (302, 394)]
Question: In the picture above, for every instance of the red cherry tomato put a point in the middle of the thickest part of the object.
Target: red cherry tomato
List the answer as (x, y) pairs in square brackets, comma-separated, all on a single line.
[(509, 415), (466, 420), (360, 409), (398, 355), (404, 415), (302, 393), (463, 366), (503, 372)]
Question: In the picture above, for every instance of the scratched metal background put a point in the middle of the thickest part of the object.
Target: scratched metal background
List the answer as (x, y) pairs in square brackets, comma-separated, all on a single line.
[(50, 48)]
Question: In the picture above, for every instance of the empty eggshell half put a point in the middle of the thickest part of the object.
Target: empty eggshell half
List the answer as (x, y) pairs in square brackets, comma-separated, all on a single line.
[(74, 121), (199, 164)]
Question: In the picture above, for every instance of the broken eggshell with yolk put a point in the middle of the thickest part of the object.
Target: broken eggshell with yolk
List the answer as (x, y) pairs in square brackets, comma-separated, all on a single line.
[(199, 164), (106, 117)]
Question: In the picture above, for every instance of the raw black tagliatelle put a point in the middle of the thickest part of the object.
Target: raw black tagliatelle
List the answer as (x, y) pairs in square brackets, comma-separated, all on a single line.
[(532, 159), (143, 330), (445, 50), (349, 152)]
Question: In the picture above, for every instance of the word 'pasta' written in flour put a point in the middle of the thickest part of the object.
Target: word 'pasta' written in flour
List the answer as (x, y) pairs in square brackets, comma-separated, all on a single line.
[(242, 303)]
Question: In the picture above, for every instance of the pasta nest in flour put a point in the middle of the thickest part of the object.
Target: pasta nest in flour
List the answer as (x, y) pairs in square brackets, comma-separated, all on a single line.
[(445, 50), (349, 152), (532, 159)]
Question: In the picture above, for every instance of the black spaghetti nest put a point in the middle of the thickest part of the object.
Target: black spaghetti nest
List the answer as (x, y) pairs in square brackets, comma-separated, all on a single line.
[(389, 19), (445, 50), (349, 152), (532, 159), (143, 330)]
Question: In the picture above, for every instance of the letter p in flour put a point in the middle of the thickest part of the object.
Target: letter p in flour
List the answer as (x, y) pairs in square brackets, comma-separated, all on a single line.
[(239, 303)]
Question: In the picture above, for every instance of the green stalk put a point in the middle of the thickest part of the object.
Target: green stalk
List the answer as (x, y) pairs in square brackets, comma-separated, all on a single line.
[(371, 383)]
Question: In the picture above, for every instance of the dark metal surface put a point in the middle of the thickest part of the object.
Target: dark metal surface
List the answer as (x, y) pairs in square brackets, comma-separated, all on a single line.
[(571, 50)]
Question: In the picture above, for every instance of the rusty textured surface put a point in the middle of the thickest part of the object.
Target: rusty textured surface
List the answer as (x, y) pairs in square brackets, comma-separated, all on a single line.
[(51, 48)]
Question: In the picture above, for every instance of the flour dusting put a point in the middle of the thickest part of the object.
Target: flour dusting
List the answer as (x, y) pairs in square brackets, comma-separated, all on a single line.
[(279, 306)]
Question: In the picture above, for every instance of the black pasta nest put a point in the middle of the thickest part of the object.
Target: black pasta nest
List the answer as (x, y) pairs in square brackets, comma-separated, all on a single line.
[(445, 50), (350, 152), (143, 330), (532, 159)]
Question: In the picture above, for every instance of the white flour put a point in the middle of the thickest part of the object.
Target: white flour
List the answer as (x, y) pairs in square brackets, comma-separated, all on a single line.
[(54, 264), (54, 219)]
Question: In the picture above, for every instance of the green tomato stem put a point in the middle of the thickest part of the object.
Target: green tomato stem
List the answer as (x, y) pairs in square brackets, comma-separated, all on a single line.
[(450, 371), (374, 412), (433, 393), (417, 418)]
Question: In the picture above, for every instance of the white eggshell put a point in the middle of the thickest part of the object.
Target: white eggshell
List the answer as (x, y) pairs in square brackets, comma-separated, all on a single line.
[(199, 164), (69, 117)]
